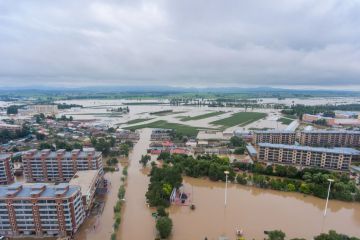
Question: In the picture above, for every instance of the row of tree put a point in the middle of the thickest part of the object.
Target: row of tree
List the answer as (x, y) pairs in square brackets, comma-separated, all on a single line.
[(308, 181), (331, 235)]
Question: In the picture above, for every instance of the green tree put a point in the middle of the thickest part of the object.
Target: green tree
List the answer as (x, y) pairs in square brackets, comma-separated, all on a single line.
[(276, 235), (145, 159), (164, 226)]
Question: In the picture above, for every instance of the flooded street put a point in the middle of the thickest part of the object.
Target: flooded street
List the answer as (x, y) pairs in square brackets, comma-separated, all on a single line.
[(136, 220), (251, 209), (100, 227), (255, 210)]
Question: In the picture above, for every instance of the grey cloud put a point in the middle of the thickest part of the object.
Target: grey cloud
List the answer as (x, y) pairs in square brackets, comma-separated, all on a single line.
[(181, 43)]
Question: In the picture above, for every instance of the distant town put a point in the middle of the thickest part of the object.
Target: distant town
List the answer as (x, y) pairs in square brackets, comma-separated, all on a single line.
[(179, 166)]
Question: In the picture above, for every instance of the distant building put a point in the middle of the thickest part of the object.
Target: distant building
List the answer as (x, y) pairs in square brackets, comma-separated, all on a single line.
[(10, 127), (212, 138), (45, 109), (325, 138), (251, 151), (127, 135), (40, 210), (327, 158), (332, 121), (59, 166), (6, 169), (161, 134), (274, 136), (88, 181)]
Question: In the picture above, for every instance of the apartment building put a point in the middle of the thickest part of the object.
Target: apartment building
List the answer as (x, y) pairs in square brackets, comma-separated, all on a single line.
[(6, 169), (44, 108), (40, 210), (88, 181), (161, 134), (274, 136), (10, 127), (59, 166), (325, 138), (327, 158)]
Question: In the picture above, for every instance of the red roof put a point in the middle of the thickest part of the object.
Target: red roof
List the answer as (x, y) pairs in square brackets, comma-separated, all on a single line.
[(167, 144)]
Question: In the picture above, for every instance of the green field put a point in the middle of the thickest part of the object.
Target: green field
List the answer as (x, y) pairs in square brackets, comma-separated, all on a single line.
[(179, 128), (290, 116), (138, 120), (285, 121), (241, 118), (206, 115)]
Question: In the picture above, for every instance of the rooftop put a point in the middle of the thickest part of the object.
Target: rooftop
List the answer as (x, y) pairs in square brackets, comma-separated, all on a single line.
[(4, 156), (85, 180), (67, 154), (349, 151), (274, 131), (45, 190), (331, 131)]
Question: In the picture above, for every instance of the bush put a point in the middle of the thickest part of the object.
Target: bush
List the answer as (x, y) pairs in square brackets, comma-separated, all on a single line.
[(164, 226)]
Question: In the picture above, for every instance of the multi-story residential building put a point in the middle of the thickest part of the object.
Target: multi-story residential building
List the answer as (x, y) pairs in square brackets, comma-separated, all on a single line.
[(59, 166), (40, 210), (88, 182), (6, 169), (44, 108), (327, 158), (161, 134), (325, 138), (10, 127), (274, 136)]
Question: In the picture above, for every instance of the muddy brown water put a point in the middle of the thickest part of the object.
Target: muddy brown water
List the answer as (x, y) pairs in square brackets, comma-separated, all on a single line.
[(251, 209)]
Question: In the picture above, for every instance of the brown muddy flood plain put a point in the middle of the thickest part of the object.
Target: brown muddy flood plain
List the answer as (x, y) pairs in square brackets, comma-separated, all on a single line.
[(251, 209), (255, 210)]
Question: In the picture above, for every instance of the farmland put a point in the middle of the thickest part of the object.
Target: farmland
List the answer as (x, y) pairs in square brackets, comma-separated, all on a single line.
[(179, 128), (240, 118), (198, 117)]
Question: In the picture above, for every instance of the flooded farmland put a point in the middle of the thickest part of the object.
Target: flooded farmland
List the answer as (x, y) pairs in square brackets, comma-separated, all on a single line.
[(251, 209)]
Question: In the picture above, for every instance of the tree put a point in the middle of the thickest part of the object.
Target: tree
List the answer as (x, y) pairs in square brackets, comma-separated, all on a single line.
[(13, 109), (236, 141), (276, 235), (333, 235), (239, 150), (164, 226), (145, 159), (161, 212)]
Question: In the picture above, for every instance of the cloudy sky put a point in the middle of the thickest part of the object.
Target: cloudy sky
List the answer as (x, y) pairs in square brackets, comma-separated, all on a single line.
[(194, 43)]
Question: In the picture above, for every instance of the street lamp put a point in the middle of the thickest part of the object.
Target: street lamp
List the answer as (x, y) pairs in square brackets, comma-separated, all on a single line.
[(327, 199), (226, 181)]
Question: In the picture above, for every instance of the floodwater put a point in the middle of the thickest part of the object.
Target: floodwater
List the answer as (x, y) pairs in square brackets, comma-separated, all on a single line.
[(101, 226), (136, 220), (255, 210)]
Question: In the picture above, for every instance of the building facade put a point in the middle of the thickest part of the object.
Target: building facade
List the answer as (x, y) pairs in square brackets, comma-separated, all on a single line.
[(160, 134), (88, 181), (59, 166), (10, 127), (327, 158), (40, 210), (45, 109), (276, 137), (6, 169), (330, 138)]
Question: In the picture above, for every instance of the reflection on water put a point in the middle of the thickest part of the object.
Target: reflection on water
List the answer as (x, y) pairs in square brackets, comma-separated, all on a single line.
[(255, 210)]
